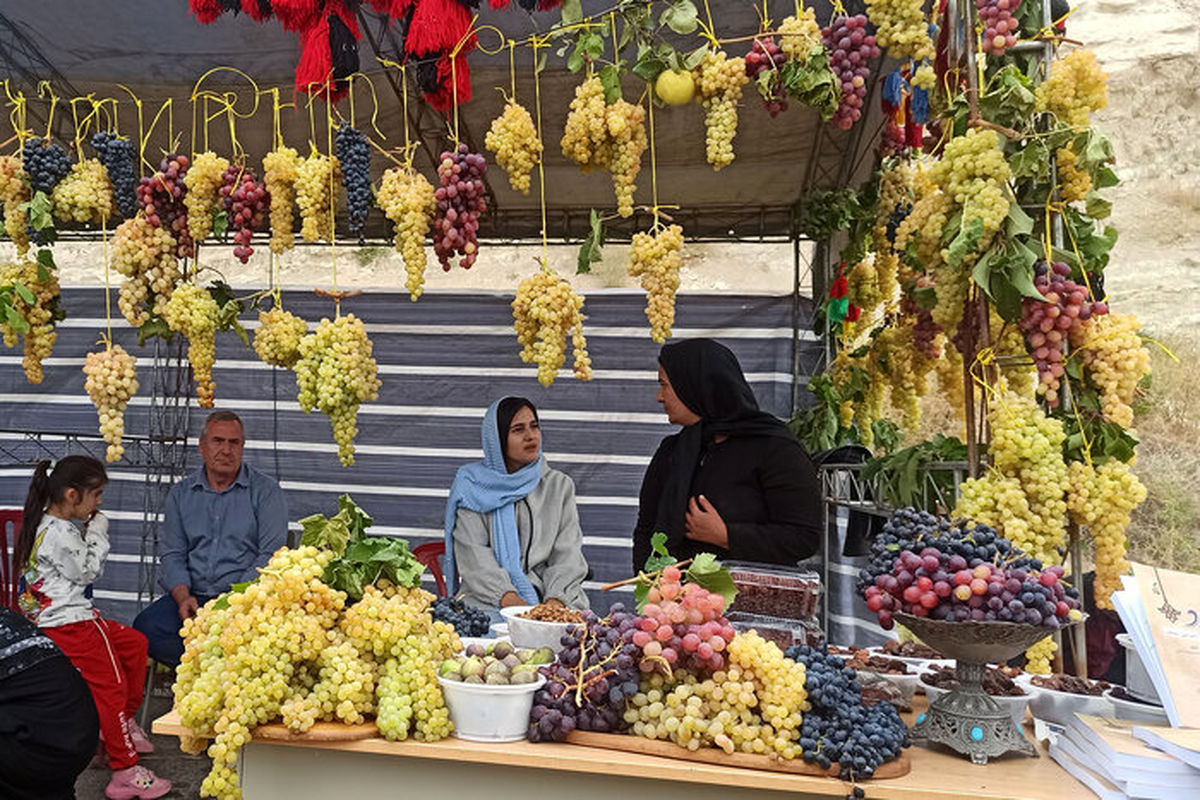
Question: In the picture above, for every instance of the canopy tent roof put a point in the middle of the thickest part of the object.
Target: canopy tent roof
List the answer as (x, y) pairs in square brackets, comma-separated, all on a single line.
[(157, 50)]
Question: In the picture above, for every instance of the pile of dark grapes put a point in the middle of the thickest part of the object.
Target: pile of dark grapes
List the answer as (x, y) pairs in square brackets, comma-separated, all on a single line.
[(1000, 27), (246, 205), (460, 201), (1049, 323), (45, 162), (766, 55), (590, 680), (898, 215), (467, 621), (924, 329), (851, 49), (839, 728), (161, 198), (116, 154), (354, 155), (958, 571)]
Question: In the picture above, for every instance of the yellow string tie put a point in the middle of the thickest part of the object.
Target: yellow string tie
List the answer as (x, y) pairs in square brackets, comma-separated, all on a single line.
[(45, 88), (537, 103)]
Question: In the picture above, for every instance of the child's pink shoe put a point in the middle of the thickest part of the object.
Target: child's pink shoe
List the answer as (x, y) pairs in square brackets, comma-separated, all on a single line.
[(136, 783), (141, 742)]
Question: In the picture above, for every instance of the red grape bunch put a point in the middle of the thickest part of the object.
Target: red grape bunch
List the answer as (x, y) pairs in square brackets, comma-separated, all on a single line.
[(161, 195), (1000, 27), (460, 201), (765, 55), (851, 49), (682, 624), (246, 205), (1048, 323)]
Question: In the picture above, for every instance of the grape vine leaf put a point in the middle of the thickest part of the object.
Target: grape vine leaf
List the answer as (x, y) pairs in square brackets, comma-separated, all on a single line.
[(965, 242), (572, 12), (14, 320), (220, 222), (591, 250), (1032, 161), (610, 79), (707, 571), (813, 83), (659, 556), (649, 66), (680, 16), (327, 534), (155, 326), (693, 59), (237, 588), (1096, 206), (22, 291), (45, 262)]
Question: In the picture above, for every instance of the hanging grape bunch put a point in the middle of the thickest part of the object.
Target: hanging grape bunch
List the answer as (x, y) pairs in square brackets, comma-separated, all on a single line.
[(246, 205), (1102, 498), (281, 167), (1049, 323), (1074, 183), (316, 178), (719, 82), (654, 259), (111, 380), (766, 56), (851, 50), (627, 132), (1000, 27), (85, 195), (460, 201), (161, 197), (335, 374), (14, 193), (585, 138), (193, 312), (203, 183), (45, 162), (1114, 361), (1076, 88), (408, 200), (277, 340), (545, 311), (116, 154), (40, 315), (800, 36), (145, 256), (354, 155), (513, 137), (974, 173), (901, 29)]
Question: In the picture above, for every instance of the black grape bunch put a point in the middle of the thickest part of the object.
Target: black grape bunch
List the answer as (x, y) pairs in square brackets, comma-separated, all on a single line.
[(116, 154), (839, 728), (467, 621), (354, 154), (45, 162)]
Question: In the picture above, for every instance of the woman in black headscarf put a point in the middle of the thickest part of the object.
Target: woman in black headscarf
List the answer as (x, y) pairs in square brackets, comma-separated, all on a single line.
[(734, 482)]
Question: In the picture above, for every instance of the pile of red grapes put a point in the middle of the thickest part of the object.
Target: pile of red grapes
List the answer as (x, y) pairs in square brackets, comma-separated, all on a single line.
[(851, 49), (924, 329), (766, 55), (460, 201), (682, 624), (246, 204), (160, 196), (1000, 27), (1048, 324), (930, 567), (590, 679)]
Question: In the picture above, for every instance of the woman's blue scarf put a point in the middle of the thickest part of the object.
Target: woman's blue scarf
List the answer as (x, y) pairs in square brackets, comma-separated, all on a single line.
[(488, 487)]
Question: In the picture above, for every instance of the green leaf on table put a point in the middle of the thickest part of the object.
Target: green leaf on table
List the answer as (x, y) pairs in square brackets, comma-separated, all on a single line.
[(327, 534), (591, 250), (356, 519), (680, 16), (705, 570)]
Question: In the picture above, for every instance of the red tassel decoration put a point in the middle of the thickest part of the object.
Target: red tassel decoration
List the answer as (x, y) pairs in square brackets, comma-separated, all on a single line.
[(547, 5), (445, 96), (396, 9), (256, 10), (298, 15), (206, 11), (437, 25), (499, 5), (315, 65)]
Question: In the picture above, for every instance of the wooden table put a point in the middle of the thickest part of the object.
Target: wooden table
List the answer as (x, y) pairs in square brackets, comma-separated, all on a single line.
[(376, 768)]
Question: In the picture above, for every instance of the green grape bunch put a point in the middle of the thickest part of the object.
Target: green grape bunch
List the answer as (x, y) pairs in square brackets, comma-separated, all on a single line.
[(546, 311), (111, 380), (40, 315), (719, 83), (408, 200), (335, 374), (203, 182), (655, 259), (277, 340), (281, 168), (513, 137), (84, 195), (193, 312)]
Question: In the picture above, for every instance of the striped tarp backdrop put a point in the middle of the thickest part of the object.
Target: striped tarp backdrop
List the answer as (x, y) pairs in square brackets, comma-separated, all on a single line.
[(441, 360)]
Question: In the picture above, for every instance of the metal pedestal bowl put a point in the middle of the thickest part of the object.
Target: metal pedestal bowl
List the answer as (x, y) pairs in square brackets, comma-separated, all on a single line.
[(966, 719)]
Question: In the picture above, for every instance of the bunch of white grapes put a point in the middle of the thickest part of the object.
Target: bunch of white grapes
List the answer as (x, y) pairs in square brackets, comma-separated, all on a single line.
[(800, 36), (335, 374), (585, 139), (38, 315), (1115, 361), (628, 142), (317, 180), (973, 172), (900, 27), (407, 199), (193, 312), (1076, 88), (546, 311), (111, 380), (14, 193), (719, 83), (145, 256), (84, 195), (281, 168), (513, 137), (203, 182), (1102, 499), (277, 340), (603, 136), (655, 259)]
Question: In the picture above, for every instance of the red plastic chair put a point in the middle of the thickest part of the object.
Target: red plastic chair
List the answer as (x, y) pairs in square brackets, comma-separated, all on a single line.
[(430, 555), (9, 577)]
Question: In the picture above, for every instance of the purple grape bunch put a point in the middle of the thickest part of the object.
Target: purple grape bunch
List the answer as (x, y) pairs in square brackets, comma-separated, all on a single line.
[(851, 50)]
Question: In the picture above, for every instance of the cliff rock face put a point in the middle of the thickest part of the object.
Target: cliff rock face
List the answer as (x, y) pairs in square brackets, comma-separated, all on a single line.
[(1151, 51)]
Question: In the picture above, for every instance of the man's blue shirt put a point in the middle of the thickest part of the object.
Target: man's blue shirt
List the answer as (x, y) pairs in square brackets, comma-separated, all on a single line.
[(211, 540)]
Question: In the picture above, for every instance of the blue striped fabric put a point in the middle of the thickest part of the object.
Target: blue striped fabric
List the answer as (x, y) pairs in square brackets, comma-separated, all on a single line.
[(441, 361)]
